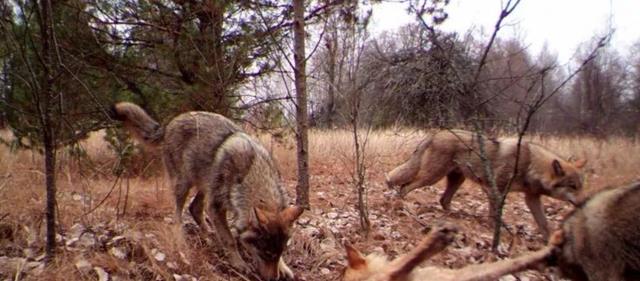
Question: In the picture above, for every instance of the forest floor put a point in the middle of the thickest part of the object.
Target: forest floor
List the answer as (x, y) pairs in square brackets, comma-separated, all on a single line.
[(122, 228)]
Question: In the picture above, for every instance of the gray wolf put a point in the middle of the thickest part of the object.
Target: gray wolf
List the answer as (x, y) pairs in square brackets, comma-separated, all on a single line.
[(455, 155), (602, 237), (232, 172), (375, 267)]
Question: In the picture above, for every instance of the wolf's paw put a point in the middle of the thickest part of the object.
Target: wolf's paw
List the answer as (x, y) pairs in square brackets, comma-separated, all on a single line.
[(402, 192), (446, 206)]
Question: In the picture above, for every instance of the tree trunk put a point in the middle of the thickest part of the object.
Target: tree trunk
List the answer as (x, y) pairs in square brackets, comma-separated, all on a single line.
[(332, 52), (4, 95), (360, 165), (222, 75), (48, 132), (50, 181), (302, 189)]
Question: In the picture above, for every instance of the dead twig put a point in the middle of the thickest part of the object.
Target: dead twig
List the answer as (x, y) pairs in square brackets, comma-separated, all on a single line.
[(113, 187), (410, 214)]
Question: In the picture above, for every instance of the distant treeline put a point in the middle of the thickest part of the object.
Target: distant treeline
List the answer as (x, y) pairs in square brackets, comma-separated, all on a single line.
[(413, 82)]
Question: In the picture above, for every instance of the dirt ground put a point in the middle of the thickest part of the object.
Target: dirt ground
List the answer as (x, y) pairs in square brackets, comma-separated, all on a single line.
[(397, 225)]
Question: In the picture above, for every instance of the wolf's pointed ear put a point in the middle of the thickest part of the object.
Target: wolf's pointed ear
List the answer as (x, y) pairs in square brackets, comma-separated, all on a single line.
[(291, 214), (557, 168), (262, 216), (355, 259), (580, 163)]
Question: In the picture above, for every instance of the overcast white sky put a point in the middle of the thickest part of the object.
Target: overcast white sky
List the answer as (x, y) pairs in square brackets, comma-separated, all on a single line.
[(562, 24)]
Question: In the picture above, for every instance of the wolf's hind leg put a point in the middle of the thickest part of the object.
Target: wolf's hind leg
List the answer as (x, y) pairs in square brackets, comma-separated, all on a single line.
[(454, 180), (196, 209), (181, 190)]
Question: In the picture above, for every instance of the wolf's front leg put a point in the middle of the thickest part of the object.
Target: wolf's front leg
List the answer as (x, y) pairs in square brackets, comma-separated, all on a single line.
[(535, 206), (455, 179), (219, 217)]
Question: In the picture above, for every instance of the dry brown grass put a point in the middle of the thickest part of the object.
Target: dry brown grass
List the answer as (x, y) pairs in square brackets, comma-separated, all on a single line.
[(334, 150), (610, 161), (150, 205)]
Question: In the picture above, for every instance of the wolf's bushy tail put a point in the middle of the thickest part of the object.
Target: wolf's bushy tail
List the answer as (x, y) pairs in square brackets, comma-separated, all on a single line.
[(405, 173), (138, 122)]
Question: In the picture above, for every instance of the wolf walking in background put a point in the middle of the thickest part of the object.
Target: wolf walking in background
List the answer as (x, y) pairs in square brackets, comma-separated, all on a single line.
[(232, 172), (456, 155)]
